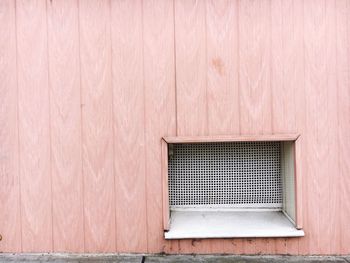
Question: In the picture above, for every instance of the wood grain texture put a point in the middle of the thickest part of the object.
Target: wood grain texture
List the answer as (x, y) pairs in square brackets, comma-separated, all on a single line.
[(254, 67), (343, 84), (97, 125), (300, 109), (88, 87), (10, 215), (34, 126), (254, 80), (222, 82), (129, 125), (191, 67), (191, 82), (65, 112), (316, 120), (222, 67), (311, 184), (160, 112), (330, 180), (282, 96), (293, 24), (284, 65), (335, 180), (286, 77)]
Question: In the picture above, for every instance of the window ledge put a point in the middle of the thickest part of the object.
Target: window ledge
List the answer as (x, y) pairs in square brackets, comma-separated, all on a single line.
[(228, 224)]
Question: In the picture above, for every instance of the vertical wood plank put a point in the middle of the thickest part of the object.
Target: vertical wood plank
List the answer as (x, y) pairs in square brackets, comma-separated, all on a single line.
[(172, 247), (222, 86), (304, 243), (300, 111), (97, 119), (293, 39), (254, 67), (191, 68), (222, 67), (316, 120), (286, 79), (159, 84), (129, 141), (282, 96), (34, 126), (64, 79), (335, 181), (284, 46), (343, 77), (10, 215), (254, 80), (330, 181), (191, 83)]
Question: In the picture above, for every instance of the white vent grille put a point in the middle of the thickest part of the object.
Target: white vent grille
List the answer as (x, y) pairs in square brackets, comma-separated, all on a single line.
[(232, 174)]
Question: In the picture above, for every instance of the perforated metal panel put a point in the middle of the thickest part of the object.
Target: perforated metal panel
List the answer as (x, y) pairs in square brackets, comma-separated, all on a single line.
[(232, 174)]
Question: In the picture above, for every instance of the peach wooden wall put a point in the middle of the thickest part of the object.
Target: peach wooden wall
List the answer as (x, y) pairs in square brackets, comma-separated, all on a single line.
[(88, 88)]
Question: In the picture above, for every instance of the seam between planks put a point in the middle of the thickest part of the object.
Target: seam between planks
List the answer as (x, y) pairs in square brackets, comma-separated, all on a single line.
[(18, 146), (144, 121), (113, 128), (50, 136), (81, 126)]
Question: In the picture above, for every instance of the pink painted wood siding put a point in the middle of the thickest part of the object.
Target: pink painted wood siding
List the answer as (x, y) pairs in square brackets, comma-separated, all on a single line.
[(89, 88)]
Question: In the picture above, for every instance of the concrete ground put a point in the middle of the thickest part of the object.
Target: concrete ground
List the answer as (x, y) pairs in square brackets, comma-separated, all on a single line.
[(115, 258)]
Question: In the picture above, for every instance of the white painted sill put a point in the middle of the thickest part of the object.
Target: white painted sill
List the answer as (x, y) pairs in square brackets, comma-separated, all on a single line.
[(230, 224)]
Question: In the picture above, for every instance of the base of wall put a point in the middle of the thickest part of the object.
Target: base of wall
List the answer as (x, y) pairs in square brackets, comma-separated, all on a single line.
[(131, 258)]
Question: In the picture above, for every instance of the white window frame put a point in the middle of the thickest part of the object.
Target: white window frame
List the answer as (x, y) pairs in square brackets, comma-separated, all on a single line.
[(225, 224)]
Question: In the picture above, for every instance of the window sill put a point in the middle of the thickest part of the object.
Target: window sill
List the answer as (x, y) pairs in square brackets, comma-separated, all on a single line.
[(230, 224)]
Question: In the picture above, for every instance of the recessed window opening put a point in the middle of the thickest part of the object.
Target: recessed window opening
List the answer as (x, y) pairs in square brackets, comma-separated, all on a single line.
[(225, 175), (231, 189)]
